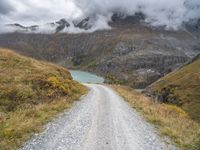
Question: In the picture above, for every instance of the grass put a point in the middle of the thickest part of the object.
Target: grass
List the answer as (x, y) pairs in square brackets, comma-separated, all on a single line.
[(31, 94), (113, 80), (170, 120), (182, 86)]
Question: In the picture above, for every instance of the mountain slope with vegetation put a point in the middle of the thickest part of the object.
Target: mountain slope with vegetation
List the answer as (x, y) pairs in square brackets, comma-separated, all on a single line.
[(131, 51), (181, 87), (31, 93), (171, 121)]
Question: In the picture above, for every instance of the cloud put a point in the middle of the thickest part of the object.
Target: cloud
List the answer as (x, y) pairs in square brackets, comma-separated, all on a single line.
[(171, 13), (37, 11), (5, 7)]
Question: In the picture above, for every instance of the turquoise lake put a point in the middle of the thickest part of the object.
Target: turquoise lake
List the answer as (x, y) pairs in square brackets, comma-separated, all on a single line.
[(86, 77)]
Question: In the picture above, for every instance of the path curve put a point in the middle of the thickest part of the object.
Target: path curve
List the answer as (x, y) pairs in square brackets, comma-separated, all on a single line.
[(102, 120)]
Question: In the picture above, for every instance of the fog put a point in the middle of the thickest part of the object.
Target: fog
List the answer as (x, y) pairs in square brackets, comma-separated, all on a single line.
[(169, 13)]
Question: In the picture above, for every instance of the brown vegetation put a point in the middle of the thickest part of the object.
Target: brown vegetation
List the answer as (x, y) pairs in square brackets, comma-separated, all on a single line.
[(171, 120), (181, 87), (31, 93)]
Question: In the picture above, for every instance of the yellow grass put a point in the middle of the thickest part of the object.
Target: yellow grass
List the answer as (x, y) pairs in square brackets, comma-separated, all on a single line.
[(184, 86), (171, 120), (31, 94)]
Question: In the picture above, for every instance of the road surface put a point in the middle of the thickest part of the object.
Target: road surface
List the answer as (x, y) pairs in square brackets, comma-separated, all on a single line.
[(99, 121)]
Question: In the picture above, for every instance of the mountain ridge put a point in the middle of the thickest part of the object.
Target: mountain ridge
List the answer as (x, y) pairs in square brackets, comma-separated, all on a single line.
[(148, 53), (87, 23)]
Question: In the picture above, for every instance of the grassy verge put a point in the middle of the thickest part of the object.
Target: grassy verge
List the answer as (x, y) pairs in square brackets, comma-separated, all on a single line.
[(170, 120), (31, 94), (181, 87), (18, 126)]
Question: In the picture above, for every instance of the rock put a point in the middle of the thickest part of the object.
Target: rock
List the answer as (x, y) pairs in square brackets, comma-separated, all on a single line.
[(62, 24), (122, 49), (83, 24), (119, 19)]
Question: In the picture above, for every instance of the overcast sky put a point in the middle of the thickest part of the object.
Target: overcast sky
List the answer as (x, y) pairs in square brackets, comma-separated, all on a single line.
[(159, 12), (36, 11)]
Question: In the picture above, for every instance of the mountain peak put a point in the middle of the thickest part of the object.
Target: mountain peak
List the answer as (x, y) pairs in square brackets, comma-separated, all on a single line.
[(62, 24)]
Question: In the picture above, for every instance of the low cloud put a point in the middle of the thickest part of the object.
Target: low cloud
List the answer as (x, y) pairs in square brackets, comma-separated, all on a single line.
[(170, 13)]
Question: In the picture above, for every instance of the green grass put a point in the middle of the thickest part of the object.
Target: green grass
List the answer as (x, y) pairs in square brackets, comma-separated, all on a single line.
[(183, 86), (31, 94), (171, 121)]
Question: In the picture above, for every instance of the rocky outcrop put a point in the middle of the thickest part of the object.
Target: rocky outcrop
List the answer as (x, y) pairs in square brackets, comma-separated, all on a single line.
[(121, 19), (142, 69), (165, 95), (62, 23), (83, 24)]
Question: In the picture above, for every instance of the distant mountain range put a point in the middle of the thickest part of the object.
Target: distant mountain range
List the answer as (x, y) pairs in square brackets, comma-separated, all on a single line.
[(57, 26), (88, 23), (19, 27), (84, 24), (132, 52)]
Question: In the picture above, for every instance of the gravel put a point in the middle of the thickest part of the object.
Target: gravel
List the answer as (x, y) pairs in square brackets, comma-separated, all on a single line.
[(102, 120)]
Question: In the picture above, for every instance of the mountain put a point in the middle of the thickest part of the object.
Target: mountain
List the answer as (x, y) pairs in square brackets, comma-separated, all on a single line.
[(131, 53), (181, 87), (31, 93), (88, 23), (21, 28), (61, 25), (54, 27)]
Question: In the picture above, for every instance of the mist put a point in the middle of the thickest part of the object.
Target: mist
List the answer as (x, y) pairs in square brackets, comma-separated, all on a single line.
[(171, 13)]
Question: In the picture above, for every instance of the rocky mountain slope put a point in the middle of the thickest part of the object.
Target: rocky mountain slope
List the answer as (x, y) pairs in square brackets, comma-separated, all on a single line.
[(132, 52), (31, 93), (181, 88)]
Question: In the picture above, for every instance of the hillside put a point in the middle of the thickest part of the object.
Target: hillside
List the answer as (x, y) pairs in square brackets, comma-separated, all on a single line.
[(31, 93), (171, 121), (182, 88), (130, 51)]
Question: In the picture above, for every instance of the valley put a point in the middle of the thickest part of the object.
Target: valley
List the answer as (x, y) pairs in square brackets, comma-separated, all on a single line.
[(129, 51), (130, 85)]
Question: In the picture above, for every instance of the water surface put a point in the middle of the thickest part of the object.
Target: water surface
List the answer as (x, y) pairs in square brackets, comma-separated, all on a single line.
[(86, 77)]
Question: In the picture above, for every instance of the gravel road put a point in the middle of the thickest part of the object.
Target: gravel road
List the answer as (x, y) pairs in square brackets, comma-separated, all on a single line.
[(100, 121)]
